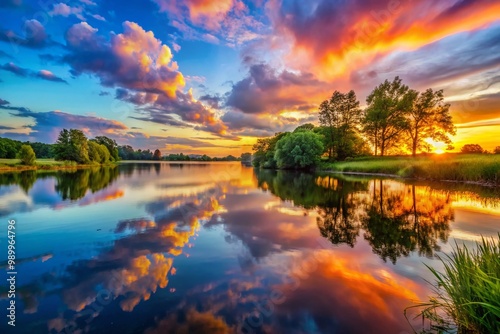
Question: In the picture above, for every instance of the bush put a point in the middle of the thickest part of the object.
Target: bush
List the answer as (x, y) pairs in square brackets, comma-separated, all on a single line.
[(27, 155), (472, 148), (299, 150)]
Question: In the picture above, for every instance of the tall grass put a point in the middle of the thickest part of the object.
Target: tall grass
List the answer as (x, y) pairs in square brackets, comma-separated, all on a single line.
[(481, 168), (467, 292)]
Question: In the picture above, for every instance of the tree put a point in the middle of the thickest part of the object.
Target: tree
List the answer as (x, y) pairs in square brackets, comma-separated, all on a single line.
[(94, 155), (9, 148), (497, 150), (341, 116), (472, 148), (429, 118), (98, 153), (72, 145), (42, 150), (304, 127), (27, 155), (298, 150), (157, 155), (385, 116), (110, 144), (264, 151)]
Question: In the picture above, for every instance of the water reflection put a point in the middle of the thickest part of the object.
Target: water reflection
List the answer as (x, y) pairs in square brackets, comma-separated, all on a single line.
[(217, 248), (397, 219)]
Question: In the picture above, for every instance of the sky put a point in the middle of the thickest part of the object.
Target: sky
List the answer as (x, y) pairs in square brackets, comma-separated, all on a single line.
[(212, 76)]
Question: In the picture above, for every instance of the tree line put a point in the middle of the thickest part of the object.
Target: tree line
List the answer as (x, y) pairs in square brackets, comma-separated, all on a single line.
[(396, 117), (73, 145)]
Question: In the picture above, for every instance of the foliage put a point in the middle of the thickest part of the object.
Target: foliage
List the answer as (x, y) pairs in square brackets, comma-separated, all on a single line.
[(157, 155), (72, 145), (298, 150), (42, 150), (472, 148), (98, 153), (246, 157), (27, 155), (468, 291), (264, 151), (341, 116), (304, 127), (385, 117), (110, 144), (9, 148), (429, 118), (497, 150)]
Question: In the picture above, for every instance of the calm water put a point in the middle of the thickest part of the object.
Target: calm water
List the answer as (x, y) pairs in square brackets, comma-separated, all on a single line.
[(221, 248)]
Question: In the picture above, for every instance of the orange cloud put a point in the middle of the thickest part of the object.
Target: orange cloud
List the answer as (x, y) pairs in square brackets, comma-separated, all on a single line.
[(332, 39)]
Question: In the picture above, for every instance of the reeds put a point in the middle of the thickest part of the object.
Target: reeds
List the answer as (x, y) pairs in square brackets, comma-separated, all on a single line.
[(467, 296)]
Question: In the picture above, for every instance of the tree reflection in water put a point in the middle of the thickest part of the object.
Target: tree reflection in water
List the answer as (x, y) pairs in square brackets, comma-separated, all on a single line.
[(397, 218)]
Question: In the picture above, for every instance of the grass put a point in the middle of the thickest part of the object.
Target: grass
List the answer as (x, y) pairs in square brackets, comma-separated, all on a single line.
[(481, 168), (467, 292), (7, 165)]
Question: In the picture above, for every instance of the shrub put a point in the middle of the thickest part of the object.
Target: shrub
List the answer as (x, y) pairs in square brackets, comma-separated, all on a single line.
[(472, 148), (27, 155), (299, 150)]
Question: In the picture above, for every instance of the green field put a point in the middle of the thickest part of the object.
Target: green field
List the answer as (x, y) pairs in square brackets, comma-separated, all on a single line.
[(41, 164), (482, 168)]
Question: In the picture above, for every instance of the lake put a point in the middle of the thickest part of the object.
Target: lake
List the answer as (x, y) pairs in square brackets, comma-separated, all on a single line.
[(223, 248)]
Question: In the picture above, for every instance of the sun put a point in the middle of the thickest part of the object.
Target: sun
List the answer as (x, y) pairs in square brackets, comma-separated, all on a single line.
[(437, 147)]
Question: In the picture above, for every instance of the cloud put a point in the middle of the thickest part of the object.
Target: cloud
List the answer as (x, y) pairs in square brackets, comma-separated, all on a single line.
[(266, 91), (135, 59), (35, 36), (486, 122), (329, 37), (61, 9), (226, 20), (47, 75), (47, 125), (144, 71), (23, 72), (433, 64), (13, 68)]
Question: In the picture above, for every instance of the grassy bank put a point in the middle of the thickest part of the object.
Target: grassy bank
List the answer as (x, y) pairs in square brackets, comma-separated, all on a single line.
[(480, 168), (7, 165), (467, 292)]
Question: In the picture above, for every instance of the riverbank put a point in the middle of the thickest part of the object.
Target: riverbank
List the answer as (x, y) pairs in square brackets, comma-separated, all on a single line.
[(471, 168), (14, 165)]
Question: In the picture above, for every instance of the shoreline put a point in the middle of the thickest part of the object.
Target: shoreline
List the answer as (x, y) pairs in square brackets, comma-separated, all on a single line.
[(395, 176), (22, 168)]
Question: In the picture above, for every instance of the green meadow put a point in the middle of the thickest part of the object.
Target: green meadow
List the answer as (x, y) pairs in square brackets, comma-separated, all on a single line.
[(481, 168)]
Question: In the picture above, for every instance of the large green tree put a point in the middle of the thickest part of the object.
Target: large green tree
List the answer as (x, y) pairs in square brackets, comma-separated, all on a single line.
[(385, 117), (72, 145), (110, 144), (264, 151), (9, 148), (429, 118), (341, 116), (299, 150)]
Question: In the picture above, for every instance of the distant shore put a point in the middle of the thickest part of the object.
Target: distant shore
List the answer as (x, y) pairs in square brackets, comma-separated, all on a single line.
[(479, 169)]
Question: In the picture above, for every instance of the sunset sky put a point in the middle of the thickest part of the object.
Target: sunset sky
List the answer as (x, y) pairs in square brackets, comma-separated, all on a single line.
[(211, 76)]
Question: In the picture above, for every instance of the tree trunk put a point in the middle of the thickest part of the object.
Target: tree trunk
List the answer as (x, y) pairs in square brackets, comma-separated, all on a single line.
[(415, 142)]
